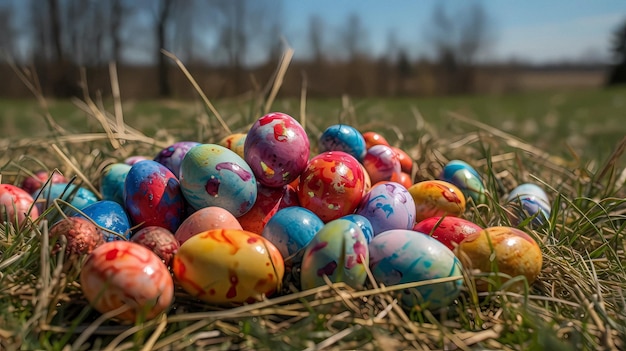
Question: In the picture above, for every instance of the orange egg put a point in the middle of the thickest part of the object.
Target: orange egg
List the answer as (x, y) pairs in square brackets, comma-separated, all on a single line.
[(406, 163), (373, 138), (436, 198)]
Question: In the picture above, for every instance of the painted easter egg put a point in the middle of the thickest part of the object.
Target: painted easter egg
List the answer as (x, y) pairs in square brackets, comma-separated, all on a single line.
[(16, 205), (381, 163), (212, 175), (437, 198), (159, 240), (449, 230), (122, 273), (234, 142), (131, 160), (172, 156), (526, 201), (406, 256), (341, 137), (228, 266), (268, 201), (338, 251), (111, 216), (373, 138), (332, 185), (406, 162), (112, 182), (367, 181), (82, 236), (77, 196), (152, 196), (388, 206), (277, 149), (402, 178), (466, 178), (291, 229), (205, 219), (30, 184), (364, 224), (509, 250)]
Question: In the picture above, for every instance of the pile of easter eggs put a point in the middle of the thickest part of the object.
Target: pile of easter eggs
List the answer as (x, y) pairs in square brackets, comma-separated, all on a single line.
[(231, 222)]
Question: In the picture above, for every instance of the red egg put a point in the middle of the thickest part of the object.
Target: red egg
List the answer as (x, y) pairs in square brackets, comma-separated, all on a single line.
[(36, 181), (204, 219), (450, 231), (82, 236), (268, 201), (402, 178), (373, 138), (16, 204), (406, 163), (159, 240)]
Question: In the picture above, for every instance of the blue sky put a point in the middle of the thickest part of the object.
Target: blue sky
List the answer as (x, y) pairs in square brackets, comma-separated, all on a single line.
[(533, 30)]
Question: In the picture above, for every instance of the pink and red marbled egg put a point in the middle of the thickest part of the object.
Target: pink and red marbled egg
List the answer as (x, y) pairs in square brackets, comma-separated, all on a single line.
[(16, 204), (450, 231)]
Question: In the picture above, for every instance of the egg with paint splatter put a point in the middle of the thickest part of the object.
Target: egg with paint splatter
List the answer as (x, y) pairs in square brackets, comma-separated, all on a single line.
[(212, 175), (437, 198), (363, 223), (205, 219), (388, 206), (234, 142), (528, 201), (341, 137), (450, 231), (111, 216), (277, 149), (172, 156), (466, 178), (381, 163), (16, 205), (112, 182), (228, 266), (339, 252), (122, 273), (406, 256), (268, 202)]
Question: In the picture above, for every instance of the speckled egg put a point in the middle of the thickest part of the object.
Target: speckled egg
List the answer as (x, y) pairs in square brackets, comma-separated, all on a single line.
[(381, 163), (338, 251), (152, 196), (388, 206), (437, 198), (526, 201), (406, 162), (509, 250), (229, 266), (268, 201), (122, 273), (406, 256), (449, 230), (82, 236), (159, 240), (291, 229), (112, 182), (111, 216), (373, 138), (341, 137), (30, 184), (206, 219), (466, 178), (364, 224), (234, 142), (78, 197), (332, 185), (16, 205), (277, 149), (212, 175), (172, 156)]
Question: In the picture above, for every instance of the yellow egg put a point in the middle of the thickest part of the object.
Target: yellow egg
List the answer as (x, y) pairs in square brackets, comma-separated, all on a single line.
[(228, 266), (436, 198)]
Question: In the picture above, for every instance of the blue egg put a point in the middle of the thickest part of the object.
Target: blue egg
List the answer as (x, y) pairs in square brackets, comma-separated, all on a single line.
[(406, 256), (388, 205), (109, 215), (466, 178), (112, 182), (291, 229), (341, 137), (528, 200), (78, 197), (363, 223)]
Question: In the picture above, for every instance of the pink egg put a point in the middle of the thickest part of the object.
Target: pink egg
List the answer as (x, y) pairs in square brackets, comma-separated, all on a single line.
[(36, 181), (122, 273), (16, 203), (450, 231), (381, 163), (82, 236), (160, 240), (204, 219)]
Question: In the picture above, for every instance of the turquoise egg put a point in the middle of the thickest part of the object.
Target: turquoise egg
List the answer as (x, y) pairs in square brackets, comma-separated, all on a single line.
[(363, 223), (78, 197), (406, 256), (109, 215), (338, 251), (112, 182), (292, 229), (526, 201), (212, 175), (466, 178)]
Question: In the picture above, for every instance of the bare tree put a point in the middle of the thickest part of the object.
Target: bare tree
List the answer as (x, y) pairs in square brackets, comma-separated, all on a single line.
[(316, 39), (8, 32), (162, 19), (617, 73), (353, 38)]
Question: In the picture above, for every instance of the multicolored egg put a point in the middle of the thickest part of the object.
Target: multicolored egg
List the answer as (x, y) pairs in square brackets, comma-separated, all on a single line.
[(111, 216), (466, 178), (16, 205), (112, 182), (152, 196), (406, 256), (501, 249), (159, 240), (338, 251), (78, 197), (212, 175), (206, 219), (341, 137), (388, 206), (526, 201), (82, 236), (332, 185), (449, 230), (229, 266), (32, 183), (234, 142), (373, 138), (381, 163), (292, 229), (172, 156), (268, 201), (277, 149), (363, 223), (122, 273), (437, 198)]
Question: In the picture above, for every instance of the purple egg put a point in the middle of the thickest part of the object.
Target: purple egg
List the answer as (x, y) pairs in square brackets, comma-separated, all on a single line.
[(172, 156), (388, 205)]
